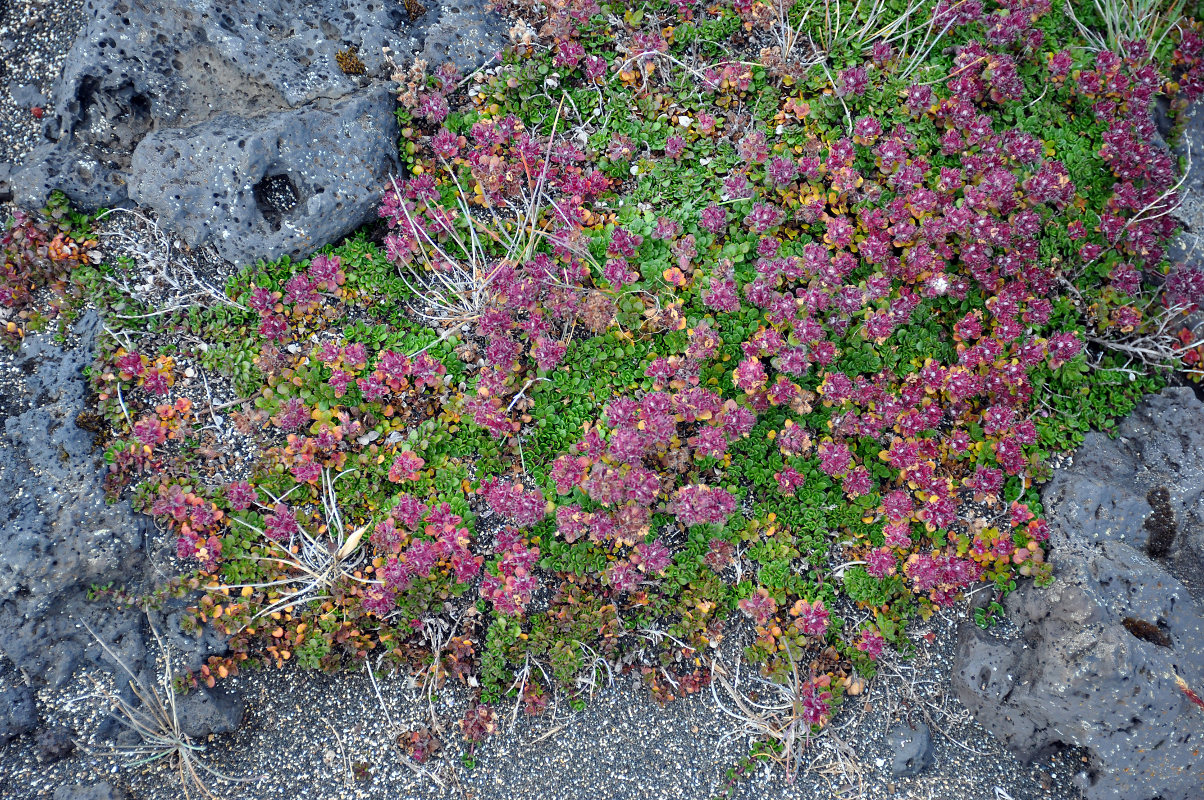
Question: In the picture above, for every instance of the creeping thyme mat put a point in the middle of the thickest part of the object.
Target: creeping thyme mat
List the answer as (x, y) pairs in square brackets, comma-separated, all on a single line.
[(678, 316)]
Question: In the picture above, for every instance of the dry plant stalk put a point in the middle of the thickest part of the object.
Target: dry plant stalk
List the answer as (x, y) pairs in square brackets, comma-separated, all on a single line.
[(155, 719), (317, 565), (773, 712), (182, 286), (1125, 21)]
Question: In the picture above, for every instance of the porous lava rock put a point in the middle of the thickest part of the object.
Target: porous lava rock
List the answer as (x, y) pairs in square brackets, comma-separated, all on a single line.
[(234, 120), (911, 749), (59, 536), (1107, 657), (61, 541), (95, 791)]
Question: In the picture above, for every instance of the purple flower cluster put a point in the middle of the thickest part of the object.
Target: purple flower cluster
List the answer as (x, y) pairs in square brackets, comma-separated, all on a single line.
[(697, 504), (510, 588), (521, 506)]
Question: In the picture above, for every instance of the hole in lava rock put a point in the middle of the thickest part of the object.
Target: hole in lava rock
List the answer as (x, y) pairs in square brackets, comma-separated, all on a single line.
[(1146, 631), (275, 196), (1161, 524)]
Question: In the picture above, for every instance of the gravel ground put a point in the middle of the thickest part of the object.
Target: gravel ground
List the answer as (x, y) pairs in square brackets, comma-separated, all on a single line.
[(35, 36), (314, 737)]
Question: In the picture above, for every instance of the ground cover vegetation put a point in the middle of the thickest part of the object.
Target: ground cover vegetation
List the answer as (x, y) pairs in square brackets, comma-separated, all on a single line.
[(679, 315)]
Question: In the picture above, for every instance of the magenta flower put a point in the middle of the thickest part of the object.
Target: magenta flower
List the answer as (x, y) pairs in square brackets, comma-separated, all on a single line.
[(880, 562), (835, 458), (293, 416), (652, 558), (812, 618), (524, 507), (713, 219), (281, 524), (241, 495), (622, 576), (871, 643), (760, 607), (696, 504), (306, 472), (405, 467), (568, 472)]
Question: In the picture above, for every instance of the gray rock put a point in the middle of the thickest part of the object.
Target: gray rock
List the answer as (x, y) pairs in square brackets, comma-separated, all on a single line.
[(58, 535), (55, 744), (18, 714), (188, 651), (196, 77), (96, 791), (26, 95), (1099, 654), (1112, 490), (203, 712), (1187, 246), (911, 748), (288, 181)]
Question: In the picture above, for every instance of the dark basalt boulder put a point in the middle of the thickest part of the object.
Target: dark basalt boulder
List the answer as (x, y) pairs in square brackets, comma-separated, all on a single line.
[(18, 714), (61, 539), (204, 712), (286, 182), (59, 536), (1104, 659), (95, 791), (234, 120), (911, 749)]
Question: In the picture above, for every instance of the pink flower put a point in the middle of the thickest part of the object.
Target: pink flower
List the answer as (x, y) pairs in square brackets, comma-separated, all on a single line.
[(1062, 347), (897, 534), (881, 562), (760, 607), (281, 524), (157, 381), (624, 243), (306, 472), (652, 558), (871, 643), (753, 147), (697, 504), (511, 587), (812, 618), (274, 328), (789, 480), (150, 431), (445, 144), (572, 523), (524, 507), (719, 554), (858, 482), (293, 416), (405, 467), (379, 601), (816, 705), (622, 576), (750, 375), (835, 458), (714, 218), (781, 170), (409, 510), (548, 353), (853, 81), (241, 495), (131, 364)]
